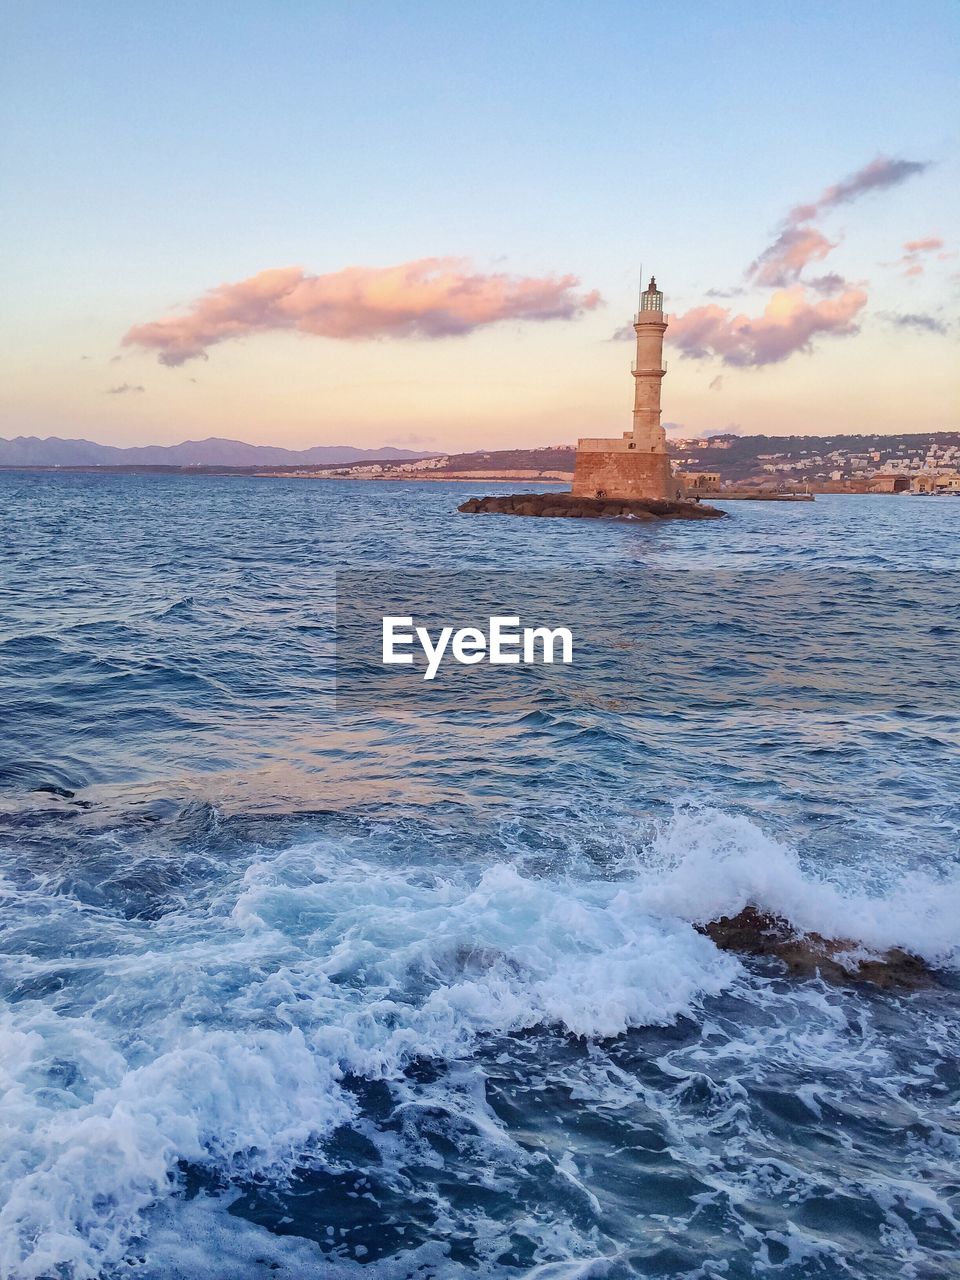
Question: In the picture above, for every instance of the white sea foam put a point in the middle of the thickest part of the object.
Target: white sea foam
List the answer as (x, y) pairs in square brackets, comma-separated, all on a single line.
[(223, 1040), (83, 1161), (705, 863), (221, 1036)]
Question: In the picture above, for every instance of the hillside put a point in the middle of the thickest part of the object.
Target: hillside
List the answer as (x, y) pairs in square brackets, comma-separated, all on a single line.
[(32, 451), (812, 459), (760, 459)]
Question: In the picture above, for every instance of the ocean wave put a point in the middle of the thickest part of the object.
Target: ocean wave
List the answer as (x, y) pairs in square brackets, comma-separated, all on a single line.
[(704, 863), (225, 1034), (242, 1027)]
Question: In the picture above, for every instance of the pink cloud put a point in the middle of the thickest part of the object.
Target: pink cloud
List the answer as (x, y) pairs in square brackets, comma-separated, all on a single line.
[(911, 260), (781, 262), (878, 175), (799, 244), (429, 298), (789, 323)]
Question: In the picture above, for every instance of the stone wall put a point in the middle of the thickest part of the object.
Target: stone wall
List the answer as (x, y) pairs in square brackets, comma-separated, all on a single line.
[(625, 475)]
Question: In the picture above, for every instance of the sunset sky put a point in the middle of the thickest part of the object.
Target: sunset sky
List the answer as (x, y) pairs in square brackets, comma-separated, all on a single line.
[(422, 224)]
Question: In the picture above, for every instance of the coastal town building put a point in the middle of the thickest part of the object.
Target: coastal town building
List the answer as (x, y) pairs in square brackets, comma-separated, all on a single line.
[(936, 482), (700, 481), (636, 465)]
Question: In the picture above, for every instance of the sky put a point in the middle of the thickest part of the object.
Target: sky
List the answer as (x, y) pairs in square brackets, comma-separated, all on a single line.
[(423, 224)]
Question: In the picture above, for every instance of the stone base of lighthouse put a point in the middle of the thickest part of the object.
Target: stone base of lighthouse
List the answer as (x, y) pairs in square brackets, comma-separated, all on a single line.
[(614, 469)]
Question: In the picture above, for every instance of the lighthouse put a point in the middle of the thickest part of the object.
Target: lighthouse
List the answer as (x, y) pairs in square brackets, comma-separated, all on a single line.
[(637, 465)]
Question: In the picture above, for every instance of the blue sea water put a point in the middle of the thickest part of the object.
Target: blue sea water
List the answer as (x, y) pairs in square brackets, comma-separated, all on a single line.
[(298, 987)]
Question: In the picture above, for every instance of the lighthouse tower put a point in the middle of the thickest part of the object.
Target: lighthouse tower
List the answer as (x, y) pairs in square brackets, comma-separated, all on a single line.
[(636, 466), (649, 325)]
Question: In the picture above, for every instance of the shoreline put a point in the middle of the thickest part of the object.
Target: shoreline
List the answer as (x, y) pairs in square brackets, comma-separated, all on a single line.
[(467, 477), (552, 479)]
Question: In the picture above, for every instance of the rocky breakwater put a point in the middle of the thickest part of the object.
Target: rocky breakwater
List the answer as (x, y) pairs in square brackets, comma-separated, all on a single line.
[(566, 504)]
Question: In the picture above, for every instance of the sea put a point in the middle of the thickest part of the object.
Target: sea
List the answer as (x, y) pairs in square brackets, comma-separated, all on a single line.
[(311, 972)]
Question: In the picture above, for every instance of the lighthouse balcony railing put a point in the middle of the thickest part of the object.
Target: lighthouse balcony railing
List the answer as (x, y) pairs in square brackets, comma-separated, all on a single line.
[(636, 368), (639, 316)]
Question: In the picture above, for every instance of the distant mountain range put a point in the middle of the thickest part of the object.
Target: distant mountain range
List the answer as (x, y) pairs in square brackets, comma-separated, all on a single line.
[(31, 451)]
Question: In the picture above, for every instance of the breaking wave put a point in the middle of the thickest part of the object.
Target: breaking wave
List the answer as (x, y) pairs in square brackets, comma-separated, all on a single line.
[(228, 1035)]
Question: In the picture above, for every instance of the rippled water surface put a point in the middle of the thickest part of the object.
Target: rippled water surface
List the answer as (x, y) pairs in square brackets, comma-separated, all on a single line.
[(416, 989)]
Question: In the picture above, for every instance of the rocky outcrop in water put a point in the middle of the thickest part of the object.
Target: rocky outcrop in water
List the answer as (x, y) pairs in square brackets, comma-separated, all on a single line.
[(566, 504), (837, 960)]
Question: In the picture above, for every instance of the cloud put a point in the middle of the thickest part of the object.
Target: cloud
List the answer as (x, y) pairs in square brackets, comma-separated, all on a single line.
[(920, 322), (429, 298), (879, 175), (124, 389), (799, 243), (926, 245), (789, 324), (725, 293), (717, 383), (781, 262), (913, 249), (827, 285)]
